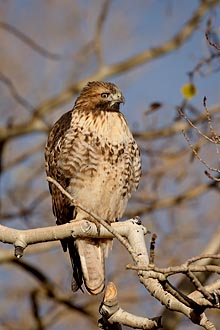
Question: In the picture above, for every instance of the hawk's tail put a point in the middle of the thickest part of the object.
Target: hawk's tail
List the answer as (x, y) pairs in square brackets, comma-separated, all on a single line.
[(92, 253), (77, 280)]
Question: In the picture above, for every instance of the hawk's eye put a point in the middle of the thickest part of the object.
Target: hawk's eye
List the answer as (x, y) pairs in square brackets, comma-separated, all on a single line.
[(105, 95)]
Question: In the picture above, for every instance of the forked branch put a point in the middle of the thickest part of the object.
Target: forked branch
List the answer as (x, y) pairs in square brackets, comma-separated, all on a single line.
[(213, 137)]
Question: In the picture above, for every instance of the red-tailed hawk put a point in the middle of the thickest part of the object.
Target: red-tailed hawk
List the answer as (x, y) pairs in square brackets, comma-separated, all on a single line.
[(91, 152)]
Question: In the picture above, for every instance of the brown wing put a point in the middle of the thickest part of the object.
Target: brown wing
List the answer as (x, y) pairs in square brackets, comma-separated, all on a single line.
[(62, 209), (136, 164), (61, 204)]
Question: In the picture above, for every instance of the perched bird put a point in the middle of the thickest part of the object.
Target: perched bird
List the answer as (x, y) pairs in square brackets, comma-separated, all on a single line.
[(91, 152)]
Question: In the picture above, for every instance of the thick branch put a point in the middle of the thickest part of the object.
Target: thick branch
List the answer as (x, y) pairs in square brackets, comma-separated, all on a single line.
[(156, 289), (82, 228)]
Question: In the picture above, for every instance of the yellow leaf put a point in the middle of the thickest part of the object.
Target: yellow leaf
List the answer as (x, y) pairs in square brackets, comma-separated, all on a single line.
[(188, 91)]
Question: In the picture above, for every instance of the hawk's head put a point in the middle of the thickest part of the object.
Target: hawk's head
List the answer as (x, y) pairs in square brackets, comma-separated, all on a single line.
[(98, 95)]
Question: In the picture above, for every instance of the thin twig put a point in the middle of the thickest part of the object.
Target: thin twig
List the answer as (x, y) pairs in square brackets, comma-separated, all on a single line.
[(203, 256), (182, 269), (199, 158), (198, 285), (152, 249), (193, 126), (211, 176), (215, 137), (208, 31)]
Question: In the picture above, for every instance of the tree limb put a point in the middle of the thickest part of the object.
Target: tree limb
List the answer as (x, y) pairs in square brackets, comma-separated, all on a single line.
[(82, 228), (113, 315)]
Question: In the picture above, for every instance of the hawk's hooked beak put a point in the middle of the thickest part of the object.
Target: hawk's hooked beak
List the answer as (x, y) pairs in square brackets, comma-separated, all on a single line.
[(117, 98)]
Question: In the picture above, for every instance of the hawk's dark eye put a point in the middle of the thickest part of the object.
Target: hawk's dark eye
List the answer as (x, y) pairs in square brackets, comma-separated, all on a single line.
[(105, 95)]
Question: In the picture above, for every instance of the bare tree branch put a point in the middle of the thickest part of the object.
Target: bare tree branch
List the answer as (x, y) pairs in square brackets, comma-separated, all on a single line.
[(208, 32), (84, 228), (213, 248), (20, 99), (30, 42)]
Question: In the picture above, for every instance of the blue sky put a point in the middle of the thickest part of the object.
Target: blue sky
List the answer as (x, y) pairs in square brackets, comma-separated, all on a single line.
[(131, 27)]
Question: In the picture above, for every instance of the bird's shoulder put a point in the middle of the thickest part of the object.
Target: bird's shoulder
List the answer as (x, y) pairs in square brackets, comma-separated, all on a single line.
[(59, 129)]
